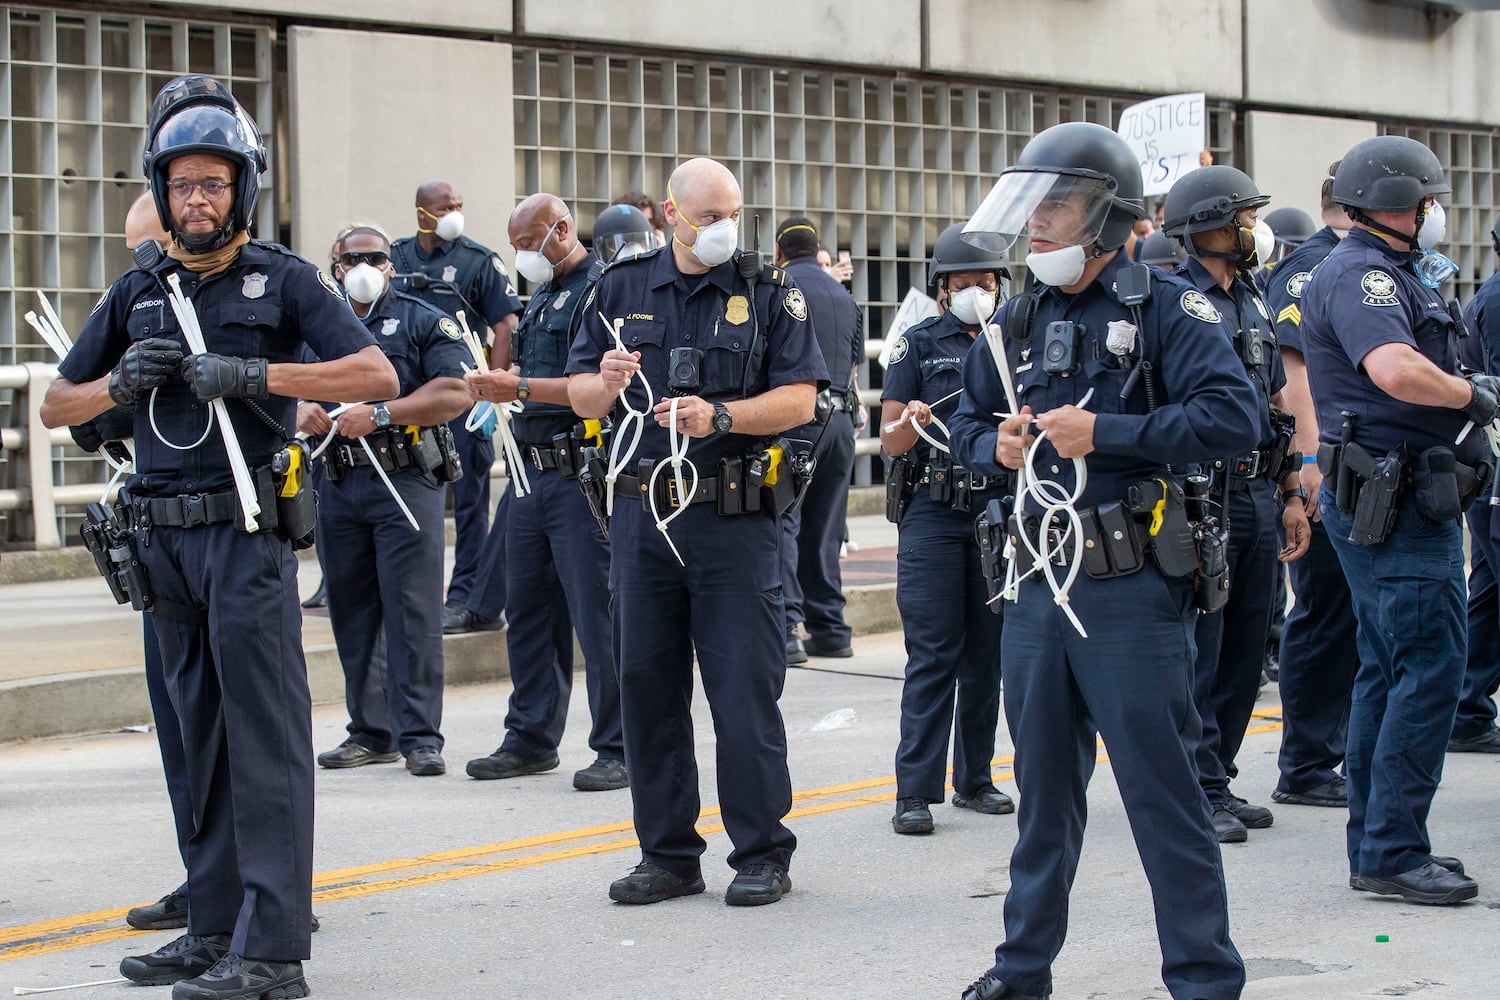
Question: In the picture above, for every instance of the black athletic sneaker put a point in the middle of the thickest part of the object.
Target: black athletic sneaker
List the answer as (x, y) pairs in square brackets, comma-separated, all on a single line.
[(234, 977), (184, 958), (164, 914)]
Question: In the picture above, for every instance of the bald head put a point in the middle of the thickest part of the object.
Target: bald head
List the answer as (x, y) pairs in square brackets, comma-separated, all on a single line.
[(702, 192), (702, 178), (542, 224), (540, 208), (142, 223), (436, 192)]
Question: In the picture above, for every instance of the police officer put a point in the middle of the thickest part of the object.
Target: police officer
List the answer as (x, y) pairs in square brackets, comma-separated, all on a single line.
[(731, 362), (442, 266), (225, 599), (1160, 250), (557, 558), (1474, 729), (385, 577), (1212, 210), (952, 634), (1291, 227), (813, 531), (1381, 361), (1318, 654), (1075, 190)]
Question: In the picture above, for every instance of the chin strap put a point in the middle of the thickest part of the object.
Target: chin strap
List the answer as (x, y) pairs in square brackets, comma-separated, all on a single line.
[(1409, 239)]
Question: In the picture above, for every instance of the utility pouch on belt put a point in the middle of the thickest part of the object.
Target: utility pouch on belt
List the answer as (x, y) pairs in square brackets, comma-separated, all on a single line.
[(451, 470), (112, 545), (425, 450), (989, 532), (732, 492), (296, 500), (595, 489), (940, 478), (1283, 460), (1375, 508), (898, 488), (1169, 533), (1211, 582), (823, 406), (1434, 484), (772, 471), (1111, 541)]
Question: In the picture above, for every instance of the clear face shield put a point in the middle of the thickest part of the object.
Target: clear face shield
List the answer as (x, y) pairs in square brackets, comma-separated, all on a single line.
[(1057, 209), (623, 245)]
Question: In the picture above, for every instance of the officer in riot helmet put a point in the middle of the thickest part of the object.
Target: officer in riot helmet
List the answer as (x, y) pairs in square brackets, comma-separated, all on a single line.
[(1130, 373), (622, 232), (1160, 250), (212, 537), (952, 632), (1402, 459), (1212, 211)]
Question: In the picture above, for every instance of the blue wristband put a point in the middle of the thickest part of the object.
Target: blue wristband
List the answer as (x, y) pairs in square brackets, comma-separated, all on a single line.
[(1309, 459)]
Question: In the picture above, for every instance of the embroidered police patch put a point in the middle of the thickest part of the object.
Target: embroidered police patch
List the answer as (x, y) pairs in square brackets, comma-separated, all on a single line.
[(796, 305), (254, 286), (330, 284), (899, 351), (450, 328), (389, 327), (499, 264), (99, 303), (1296, 283), (1380, 289), (1196, 305)]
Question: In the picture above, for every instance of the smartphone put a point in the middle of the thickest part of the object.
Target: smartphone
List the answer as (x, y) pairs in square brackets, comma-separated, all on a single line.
[(844, 255)]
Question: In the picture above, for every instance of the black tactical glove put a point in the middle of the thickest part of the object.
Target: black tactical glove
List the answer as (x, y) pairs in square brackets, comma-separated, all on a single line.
[(145, 364), (115, 424), (1485, 399), (215, 375)]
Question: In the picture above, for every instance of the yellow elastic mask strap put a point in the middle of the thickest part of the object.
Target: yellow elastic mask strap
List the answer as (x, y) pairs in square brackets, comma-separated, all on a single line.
[(430, 216), (684, 218)]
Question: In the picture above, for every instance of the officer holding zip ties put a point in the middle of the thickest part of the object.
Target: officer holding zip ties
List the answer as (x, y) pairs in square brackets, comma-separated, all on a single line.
[(1402, 456), (704, 355), (1106, 373), (205, 342), (380, 517), (1212, 211), (952, 632)]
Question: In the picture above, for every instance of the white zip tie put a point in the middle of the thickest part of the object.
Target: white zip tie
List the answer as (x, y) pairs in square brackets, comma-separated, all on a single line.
[(374, 462), (244, 486), (634, 419), (679, 445), (514, 464), (22, 991)]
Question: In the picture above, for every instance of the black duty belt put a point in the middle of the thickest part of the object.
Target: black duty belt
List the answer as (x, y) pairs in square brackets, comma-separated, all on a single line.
[(1256, 465), (545, 456), (389, 446), (635, 488), (188, 510), (976, 483)]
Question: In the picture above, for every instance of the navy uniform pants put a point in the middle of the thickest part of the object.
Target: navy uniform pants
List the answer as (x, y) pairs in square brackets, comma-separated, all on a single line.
[(1319, 656), (487, 595), (1409, 599), (385, 593), (557, 564), (952, 653), (1130, 682), (1232, 642), (168, 741), (813, 586), (725, 606), (1476, 707), (471, 506), (237, 681)]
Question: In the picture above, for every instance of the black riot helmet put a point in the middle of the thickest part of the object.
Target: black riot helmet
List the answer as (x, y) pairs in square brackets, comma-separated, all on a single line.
[(195, 114), (1074, 160), (1209, 198), (622, 230), (1161, 250), (1389, 173), (1292, 226), (953, 253)]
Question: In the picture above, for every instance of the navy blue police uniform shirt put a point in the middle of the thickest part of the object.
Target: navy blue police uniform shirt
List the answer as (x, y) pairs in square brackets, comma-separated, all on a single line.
[(540, 346), (1207, 408), (663, 308), (835, 318), (268, 304), (1247, 318), (927, 363), (421, 341), (1365, 295), (1284, 289), (486, 294), (1480, 349)]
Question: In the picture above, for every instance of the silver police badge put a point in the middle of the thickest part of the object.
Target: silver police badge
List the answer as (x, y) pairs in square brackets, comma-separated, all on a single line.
[(1196, 305), (562, 298), (796, 305), (450, 328), (390, 326), (1296, 283), (1380, 289), (899, 351), (254, 286), (450, 273)]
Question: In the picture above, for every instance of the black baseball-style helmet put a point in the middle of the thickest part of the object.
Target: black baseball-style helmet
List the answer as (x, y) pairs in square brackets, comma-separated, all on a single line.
[(1163, 251), (197, 114), (1292, 226), (1071, 160), (953, 253), (1208, 198), (1389, 173)]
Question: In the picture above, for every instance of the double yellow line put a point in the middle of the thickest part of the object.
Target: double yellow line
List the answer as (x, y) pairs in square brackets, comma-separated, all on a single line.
[(102, 926)]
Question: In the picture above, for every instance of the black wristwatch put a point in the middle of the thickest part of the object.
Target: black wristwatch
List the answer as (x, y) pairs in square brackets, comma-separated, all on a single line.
[(523, 391), (1286, 496), (382, 416), (723, 420)]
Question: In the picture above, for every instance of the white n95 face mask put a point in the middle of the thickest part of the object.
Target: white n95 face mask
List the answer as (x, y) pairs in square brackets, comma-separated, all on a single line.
[(1434, 227), (1265, 241), (716, 243), (450, 226), (364, 283), (972, 306), (1058, 268)]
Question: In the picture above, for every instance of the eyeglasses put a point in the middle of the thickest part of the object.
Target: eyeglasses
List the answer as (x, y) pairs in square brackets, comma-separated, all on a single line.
[(212, 189), (354, 258)]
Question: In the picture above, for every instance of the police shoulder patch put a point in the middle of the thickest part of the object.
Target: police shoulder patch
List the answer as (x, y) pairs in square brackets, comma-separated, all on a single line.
[(100, 303), (1296, 283), (329, 283), (1196, 305), (795, 304), (1379, 288), (498, 264), (899, 351), (450, 328)]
